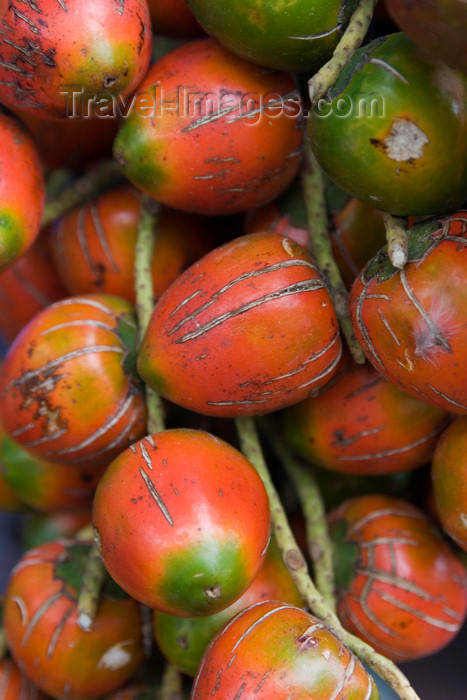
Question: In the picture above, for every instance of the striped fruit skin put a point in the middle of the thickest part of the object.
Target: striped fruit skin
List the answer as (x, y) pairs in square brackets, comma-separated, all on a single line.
[(93, 246), (407, 592), (22, 191), (410, 322), (206, 141), (362, 424), (92, 46), (274, 651), (248, 329), (182, 522), (66, 393), (41, 627)]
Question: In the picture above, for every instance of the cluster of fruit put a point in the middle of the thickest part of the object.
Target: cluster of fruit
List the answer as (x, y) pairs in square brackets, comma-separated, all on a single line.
[(233, 257)]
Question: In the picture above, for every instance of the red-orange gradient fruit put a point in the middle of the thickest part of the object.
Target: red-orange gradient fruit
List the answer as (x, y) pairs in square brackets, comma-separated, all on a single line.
[(211, 133), (181, 520), (273, 651), (21, 191), (411, 322), (248, 329), (93, 246), (29, 285), (42, 631), (58, 54), (400, 587), (363, 424), (68, 388)]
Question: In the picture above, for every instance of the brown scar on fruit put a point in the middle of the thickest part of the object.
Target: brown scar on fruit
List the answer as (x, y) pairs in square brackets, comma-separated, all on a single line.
[(404, 143)]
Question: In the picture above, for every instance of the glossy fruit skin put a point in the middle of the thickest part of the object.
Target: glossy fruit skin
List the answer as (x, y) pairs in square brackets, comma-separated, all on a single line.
[(68, 391), (208, 142), (248, 329), (29, 285), (181, 520), (45, 486), (15, 685), (391, 156), (173, 18), (94, 48), (183, 640), (299, 36), (449, 480), (21, 191), (273, 651), (406, 593), (41, 627), (362, 424), (410, 322), (93, 245), (356, 230), (439, 27)]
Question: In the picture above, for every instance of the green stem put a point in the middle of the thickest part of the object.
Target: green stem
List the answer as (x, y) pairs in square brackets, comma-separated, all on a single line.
[(319, 542), (172, 686), (295, 562), (100, 178), (321, 250), (3, 644), (351, 40), (94, 577), (145, 296), (397, 240)]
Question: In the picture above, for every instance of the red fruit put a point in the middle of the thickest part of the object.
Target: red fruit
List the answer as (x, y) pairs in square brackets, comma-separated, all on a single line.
[(183, 640), (248, 329), (400, 587), (90, 47), (68, 390), (182, 522), (215, 134), (273, 651), (449, 479), (42, 632), (21, 191), (15, 685), (411, 322), (362, 424), (29, 285), (93, 246)]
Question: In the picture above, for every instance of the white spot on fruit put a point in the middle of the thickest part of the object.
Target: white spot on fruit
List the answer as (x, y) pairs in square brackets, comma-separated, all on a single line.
[(116, 657), (405, 141), (287, 247)]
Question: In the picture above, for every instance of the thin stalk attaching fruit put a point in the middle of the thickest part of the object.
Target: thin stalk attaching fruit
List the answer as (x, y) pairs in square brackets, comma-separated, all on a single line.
[(320, 248), (296, 564), (397, 240), (351, 40)]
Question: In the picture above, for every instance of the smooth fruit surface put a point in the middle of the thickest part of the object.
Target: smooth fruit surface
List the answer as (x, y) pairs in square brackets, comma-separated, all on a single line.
[(181, 520)]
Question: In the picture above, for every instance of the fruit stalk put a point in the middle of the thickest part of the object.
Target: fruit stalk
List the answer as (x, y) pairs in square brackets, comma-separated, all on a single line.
[(145, 295), (94, 577), (171, 688), (397, 240), (318, 540), (320, 247), (351, 40), (102, 177), (295, 562)]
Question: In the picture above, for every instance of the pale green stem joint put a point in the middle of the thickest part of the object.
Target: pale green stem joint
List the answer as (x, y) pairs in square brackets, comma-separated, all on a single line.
[(397, 240)]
